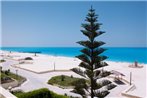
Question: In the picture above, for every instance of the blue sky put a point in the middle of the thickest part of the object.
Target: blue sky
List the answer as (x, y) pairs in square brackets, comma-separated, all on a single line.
[(58, 24)]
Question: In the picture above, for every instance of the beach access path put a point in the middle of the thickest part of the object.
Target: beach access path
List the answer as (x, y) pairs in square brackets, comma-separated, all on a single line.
[(36, 81)]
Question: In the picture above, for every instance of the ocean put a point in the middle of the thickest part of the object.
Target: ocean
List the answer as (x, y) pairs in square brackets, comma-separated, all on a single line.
[(117, 54)]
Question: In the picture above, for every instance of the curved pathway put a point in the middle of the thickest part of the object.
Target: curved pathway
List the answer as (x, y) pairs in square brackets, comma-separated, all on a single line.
[(36, 81)]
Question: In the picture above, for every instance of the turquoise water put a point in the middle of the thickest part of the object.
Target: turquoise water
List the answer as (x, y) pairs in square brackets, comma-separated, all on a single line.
[(114, 54)]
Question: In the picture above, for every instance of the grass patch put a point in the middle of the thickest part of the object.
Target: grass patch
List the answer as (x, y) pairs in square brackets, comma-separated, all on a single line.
[(40, 93), (63, 80), (11, 75), (16, 77), (2, 75)]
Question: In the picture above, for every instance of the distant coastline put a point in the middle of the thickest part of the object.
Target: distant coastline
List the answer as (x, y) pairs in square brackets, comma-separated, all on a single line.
[(117, 54)]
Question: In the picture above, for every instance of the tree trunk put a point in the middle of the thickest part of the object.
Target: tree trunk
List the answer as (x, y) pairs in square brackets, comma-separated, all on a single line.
[(92, 94)]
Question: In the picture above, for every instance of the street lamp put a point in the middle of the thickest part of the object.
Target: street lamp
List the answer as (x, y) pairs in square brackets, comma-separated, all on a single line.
[(130, 78), (54, 66), (17, 76)]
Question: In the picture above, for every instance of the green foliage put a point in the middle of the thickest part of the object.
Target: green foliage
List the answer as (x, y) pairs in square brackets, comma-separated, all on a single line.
[(4, 78), (80, 86), (57, 80), (91, 53), (105, 73), (17, 77), (17, 92), (40, 93), (101, 94), (1, 61), (111, 86), (7, 74), (105, 82), (1, 69), (28, 58), (62, 77), (99, 85), (71, 76)]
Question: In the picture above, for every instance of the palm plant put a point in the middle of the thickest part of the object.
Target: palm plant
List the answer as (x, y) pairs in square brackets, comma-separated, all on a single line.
[(91, 58)]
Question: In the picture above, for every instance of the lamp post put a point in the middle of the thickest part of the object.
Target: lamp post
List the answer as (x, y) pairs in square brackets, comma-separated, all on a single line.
[(54, 66), (17, 76), (130, 78)]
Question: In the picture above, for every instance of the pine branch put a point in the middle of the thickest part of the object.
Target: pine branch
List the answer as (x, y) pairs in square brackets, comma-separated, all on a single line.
[(91, 45), (85, 65), (100, 64), (86, 51), (91, 35), (79, 71), (84, 58)]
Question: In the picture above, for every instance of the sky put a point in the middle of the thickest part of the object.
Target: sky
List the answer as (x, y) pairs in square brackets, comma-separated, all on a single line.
[(58, 23)]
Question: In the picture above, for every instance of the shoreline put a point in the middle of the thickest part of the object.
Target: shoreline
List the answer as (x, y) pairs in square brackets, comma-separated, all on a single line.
[(41, 63), (51, 55)]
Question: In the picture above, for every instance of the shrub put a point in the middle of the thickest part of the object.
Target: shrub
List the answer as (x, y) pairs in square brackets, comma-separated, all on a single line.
[(62, 77), (28, 58), (1, 68), (6, 72), (71, 76), (40, 93), (2, 60), (16, 91), (65, 94)]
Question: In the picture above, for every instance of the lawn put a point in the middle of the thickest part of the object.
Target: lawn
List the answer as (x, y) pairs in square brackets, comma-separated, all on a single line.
[(11, 75), (63, 80), (16, 77)]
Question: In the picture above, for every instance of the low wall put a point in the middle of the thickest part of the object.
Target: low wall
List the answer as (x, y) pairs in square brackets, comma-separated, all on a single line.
[(125, 92), (41, 72), (5, 93)]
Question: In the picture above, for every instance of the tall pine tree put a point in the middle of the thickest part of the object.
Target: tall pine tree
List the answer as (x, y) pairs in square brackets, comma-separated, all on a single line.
[(91, 57)]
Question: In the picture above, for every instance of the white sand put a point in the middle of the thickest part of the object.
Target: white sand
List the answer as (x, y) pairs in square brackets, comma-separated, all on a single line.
[(43, 63), (138, 76)]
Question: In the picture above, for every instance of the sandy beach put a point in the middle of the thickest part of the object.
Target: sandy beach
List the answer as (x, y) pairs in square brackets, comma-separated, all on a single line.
[(45, 64)]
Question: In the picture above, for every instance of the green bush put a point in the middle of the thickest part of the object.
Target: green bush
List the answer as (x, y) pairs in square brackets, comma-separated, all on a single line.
[(1, 69), (2, 60), (6, 72), (40, 93), (62, 77), (15, 92), (28, 58)]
